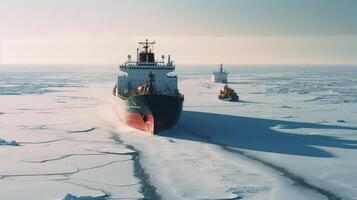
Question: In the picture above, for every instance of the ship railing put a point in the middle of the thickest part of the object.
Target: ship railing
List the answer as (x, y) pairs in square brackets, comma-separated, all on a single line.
[(154, 64), (174, 94), (125, 95)]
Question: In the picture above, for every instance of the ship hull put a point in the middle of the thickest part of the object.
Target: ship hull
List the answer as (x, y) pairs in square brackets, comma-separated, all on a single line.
[(149, 113)]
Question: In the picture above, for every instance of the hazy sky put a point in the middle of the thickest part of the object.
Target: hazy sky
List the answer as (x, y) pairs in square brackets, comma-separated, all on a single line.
[(193, 31)]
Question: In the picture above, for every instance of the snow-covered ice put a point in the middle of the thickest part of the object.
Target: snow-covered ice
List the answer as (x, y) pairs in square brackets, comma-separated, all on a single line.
[(293, 135)]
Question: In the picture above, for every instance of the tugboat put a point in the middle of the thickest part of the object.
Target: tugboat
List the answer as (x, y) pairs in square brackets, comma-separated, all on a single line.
[(228, 94), (147, 97)]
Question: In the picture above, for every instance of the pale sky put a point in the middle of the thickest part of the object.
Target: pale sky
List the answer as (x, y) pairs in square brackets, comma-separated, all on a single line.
[(192, 31)]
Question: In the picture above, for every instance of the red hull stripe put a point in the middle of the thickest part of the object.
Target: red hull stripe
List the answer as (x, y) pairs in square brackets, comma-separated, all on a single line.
[(142, 122)]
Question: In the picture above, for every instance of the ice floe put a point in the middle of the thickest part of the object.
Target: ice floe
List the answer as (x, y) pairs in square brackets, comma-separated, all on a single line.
[(288, 139)]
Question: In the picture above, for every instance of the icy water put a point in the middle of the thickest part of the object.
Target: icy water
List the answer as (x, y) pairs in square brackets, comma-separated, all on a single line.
[(293, 135)]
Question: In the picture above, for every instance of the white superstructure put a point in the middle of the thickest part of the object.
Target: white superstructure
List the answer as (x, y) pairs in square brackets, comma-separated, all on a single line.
[(137, 72), (221, 76)]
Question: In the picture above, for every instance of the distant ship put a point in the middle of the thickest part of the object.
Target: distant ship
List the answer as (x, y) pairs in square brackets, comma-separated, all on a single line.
[(148, 98), (221, 76)]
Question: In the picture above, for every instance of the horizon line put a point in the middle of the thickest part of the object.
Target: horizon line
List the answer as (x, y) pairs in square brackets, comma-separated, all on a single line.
[(228, 64)]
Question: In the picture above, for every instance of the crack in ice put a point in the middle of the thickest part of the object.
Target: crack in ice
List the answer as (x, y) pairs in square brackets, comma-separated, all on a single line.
[(62, 157), (83, 131), (147, 188), (3, 176), (46, 141), (297, 180)]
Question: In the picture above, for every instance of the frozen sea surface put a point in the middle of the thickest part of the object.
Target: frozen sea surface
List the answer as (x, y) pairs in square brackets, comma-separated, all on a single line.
[(293, 135)]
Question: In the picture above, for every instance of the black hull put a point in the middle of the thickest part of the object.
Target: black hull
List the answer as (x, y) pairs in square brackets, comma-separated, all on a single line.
[(151, 113)]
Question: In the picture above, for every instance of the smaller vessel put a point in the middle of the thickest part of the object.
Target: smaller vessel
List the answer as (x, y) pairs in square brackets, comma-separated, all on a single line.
[(221, 76), (228, 94)]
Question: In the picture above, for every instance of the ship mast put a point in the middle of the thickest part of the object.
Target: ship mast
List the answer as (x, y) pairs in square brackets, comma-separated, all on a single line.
[(146, 45), (146, 55)]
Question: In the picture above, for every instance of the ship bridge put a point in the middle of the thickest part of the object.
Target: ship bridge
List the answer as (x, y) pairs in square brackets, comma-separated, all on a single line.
[(137, 72), (145, 57)]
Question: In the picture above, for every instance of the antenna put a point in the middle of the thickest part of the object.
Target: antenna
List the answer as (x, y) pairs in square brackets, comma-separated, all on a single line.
[(146, 45), (163, 58)]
